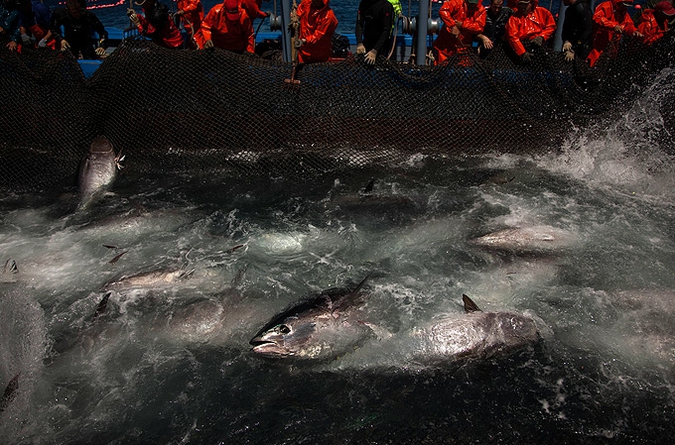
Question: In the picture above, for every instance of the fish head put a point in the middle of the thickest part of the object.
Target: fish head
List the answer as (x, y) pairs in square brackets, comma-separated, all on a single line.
[(101, 146), (288, 338)]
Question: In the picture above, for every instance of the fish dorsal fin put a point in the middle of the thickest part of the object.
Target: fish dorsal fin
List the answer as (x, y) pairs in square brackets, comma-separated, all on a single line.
[(102, 305), (353, 295), (469, 305), (369, 187)]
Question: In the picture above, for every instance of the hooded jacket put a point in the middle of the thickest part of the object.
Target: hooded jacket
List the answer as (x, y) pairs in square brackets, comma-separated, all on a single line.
[(521, 28), (316, 27), (473, 23), (650, 28), (227, 34), (606, 17), (157, 25)]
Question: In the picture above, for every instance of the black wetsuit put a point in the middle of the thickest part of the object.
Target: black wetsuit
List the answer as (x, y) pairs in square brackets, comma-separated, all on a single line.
[(78, 32), (578, 28), (374, 22), (494, 27)]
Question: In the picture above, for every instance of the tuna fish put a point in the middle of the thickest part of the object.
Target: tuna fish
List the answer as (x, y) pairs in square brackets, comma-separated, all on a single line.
[(154, 279), (533, 239), (473, 335), (448, 340), (320, 327), (98, 169)]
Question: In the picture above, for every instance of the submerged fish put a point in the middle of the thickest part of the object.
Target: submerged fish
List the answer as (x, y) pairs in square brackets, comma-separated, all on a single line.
[(473, 335), (98, 169), (321, 327), (533, 239), (152, 279), (10, 392)]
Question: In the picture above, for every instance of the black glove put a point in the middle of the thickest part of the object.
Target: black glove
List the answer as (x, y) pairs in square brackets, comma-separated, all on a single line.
[(526, 58), (539, 40)]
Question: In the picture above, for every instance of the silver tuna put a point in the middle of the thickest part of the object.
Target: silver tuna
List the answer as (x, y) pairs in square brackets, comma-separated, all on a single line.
[(98, 169), (321, 327), (474, 335), (533, 239)]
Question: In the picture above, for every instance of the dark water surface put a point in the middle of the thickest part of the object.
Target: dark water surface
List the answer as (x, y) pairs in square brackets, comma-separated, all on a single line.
[(254, 245)]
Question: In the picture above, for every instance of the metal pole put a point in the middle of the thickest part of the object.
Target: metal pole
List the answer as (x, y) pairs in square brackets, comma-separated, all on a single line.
[(422, 32), (557, 40), (285, 31)]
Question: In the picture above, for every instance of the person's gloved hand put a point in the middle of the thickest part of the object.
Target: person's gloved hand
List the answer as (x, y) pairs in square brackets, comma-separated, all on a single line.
[(539, 40), (569, 55), (208, 44), (133, 17), (371, 57), (360, 49), (300, 42), (65, 46), (638, 34), (25, 38), (567, 46), (42, 43), (526, 58), (100, 52)]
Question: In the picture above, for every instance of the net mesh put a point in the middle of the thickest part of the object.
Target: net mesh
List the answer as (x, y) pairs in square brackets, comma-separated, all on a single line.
[(206, 111)]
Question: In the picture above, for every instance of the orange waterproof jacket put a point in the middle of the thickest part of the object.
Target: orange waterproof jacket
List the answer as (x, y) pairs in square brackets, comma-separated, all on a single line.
[(473, 23), (650, 28), (193, 16), (226, 34), (167, 34), (523, 28), (316, 27), (605, 18)]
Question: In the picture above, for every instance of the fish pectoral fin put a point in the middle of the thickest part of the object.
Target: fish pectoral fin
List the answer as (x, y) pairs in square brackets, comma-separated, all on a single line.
[(380, 332), (469, 305)]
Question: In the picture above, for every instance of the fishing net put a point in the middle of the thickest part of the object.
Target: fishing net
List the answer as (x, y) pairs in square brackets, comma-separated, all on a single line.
[(215, 111)]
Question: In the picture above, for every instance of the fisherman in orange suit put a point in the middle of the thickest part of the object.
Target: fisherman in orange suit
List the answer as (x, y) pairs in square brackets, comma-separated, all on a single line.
[(191, 14), (654, 22), (610, 21), (462, 20), (227, 26), (317, 25), (530, 24)]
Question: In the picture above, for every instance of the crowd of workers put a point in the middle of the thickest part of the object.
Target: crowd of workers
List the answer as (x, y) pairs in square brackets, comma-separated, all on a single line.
[(522, 25)]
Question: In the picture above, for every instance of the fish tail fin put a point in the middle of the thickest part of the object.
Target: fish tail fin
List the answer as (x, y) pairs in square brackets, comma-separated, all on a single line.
[(10, 266)]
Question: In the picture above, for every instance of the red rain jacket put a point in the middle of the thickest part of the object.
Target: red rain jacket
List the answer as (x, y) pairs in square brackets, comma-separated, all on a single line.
[(226, 34), (538, 23), (650, 28), (169, 36), (606, 17), (193, 16), (473, 23), (316, 27)]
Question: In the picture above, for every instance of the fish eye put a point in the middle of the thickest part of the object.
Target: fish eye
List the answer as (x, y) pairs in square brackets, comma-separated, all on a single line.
[(283, 329)]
